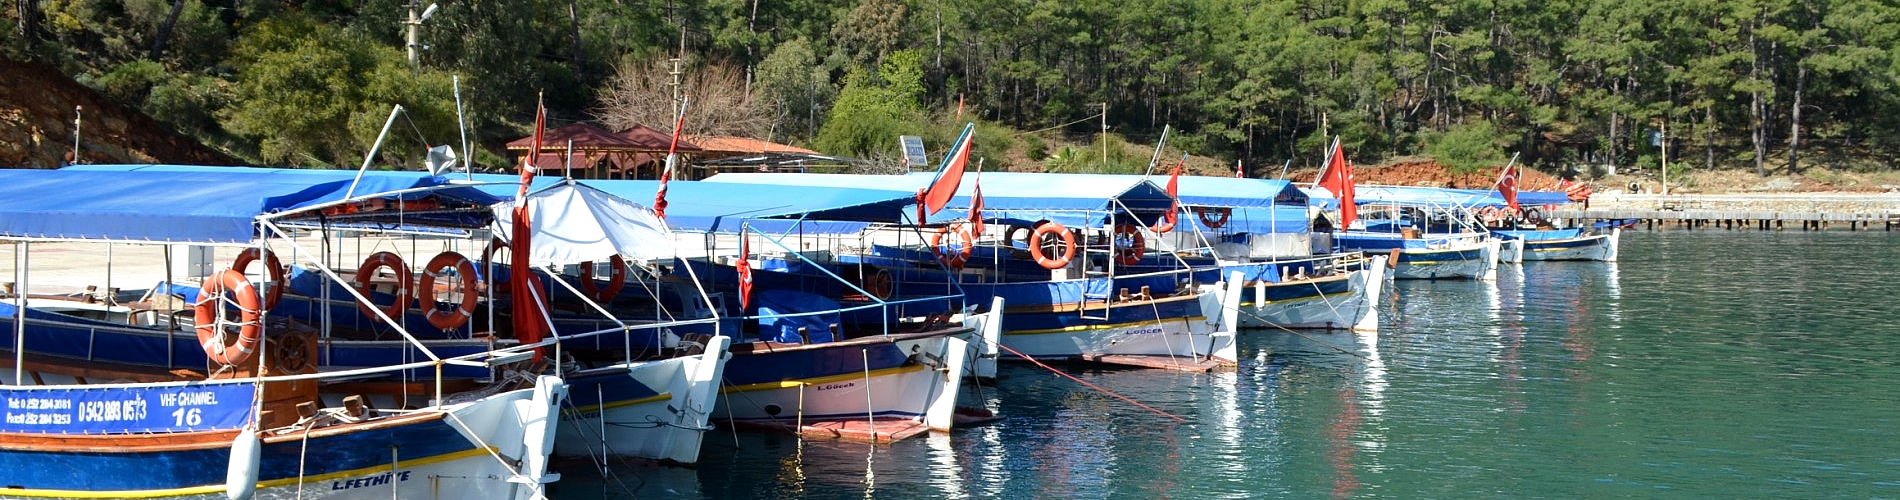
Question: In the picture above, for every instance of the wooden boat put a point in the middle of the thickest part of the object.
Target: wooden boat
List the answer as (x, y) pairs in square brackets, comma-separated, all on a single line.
[(1066, 298), (96, 392)]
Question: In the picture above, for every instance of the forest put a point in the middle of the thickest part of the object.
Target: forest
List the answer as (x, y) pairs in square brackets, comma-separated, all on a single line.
[(1761, 86)]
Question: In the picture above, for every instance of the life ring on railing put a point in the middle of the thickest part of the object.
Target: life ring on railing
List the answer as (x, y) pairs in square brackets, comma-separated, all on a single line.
[(1213, 218), (425, 289), (376, 261), (272, 269), (1167, 221), (960, 255), (616, 279), (1047, 257), (209, 310), (1534, 215), (1010, 234), (1489, 215), (876, 282), (488, 259), (1129, 244)]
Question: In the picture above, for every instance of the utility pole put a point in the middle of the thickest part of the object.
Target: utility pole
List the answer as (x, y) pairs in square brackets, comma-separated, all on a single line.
[(76, 113), (415, 31), (1105, 134), (1662, 140)]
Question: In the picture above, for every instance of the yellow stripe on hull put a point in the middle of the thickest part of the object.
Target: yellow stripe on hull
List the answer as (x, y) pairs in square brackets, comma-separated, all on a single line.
[(1068, 329), (790, 384), (592, 408)]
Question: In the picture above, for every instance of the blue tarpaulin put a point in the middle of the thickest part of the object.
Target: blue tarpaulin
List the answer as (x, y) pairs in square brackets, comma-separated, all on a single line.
[(178, 203), (697, 206), (1072, 200), (785, 329)]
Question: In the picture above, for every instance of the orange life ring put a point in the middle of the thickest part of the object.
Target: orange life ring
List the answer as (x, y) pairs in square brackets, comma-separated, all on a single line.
[(1040, 238), (376, 261), (877, 283), (425, 289), (956, 259), (616, 279), (488, 259), (1213, 218), (272, 268), (1129, 244), (209, 310), (1167, 221)]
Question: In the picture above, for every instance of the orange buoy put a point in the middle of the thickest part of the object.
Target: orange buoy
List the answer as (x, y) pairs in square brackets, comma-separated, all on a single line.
[(961, 255), (272, 268), (425, 288), (1046, 249), (209, 310), (376, 261), (616, 279), (1129, 244)]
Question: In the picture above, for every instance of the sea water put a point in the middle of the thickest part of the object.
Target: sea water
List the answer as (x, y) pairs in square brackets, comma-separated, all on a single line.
[(1705, 364)]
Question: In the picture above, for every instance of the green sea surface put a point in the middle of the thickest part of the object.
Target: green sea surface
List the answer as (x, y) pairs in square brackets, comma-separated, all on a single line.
[(1705, 364)]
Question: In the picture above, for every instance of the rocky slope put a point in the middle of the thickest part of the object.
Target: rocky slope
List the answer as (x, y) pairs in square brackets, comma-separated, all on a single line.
[(36, 125)]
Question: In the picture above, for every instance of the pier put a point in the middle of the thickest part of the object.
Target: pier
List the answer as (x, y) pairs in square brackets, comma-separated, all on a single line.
[(1764, 212)]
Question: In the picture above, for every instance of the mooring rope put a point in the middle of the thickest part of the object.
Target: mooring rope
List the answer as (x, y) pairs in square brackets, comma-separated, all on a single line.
[(1089, 385)]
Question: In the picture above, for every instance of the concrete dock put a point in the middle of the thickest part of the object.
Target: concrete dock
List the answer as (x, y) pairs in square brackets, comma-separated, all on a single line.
[(1764, 211)]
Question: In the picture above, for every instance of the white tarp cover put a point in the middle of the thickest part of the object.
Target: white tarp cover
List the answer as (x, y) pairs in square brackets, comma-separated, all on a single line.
[(574, 223)]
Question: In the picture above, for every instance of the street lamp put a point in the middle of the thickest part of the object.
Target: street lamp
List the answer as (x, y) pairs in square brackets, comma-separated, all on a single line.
[(415, 30)]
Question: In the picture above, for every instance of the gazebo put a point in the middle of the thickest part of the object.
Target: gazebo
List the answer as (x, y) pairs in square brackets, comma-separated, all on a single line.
[(585, 151)]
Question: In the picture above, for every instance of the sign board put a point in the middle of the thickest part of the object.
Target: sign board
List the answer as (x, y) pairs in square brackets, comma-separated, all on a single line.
[(137, 409), (913, 148)]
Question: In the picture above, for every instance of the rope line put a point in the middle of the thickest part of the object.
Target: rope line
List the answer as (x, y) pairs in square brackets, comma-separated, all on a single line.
[(1089, 385)]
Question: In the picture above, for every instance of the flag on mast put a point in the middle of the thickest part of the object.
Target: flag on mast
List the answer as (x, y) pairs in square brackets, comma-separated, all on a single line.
[(530, 322), (1507, 185), (672, 157), (943, 187), (745, 269), (1337, 177)]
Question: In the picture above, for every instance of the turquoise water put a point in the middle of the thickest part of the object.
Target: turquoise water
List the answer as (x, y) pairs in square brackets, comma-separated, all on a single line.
[(1704, 365)]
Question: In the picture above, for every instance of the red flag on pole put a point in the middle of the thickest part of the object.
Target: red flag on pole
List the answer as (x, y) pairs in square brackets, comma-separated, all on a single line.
[(1337, 177), (976, 207), (932, 199), (528, 296), (1240, 172), (672, 157), (1507, 185), (1174, 204), (745, 270)]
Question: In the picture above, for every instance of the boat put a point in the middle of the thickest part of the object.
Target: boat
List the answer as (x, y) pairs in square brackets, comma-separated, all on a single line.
[(1291, 278), (1426, 233), (1045, 249), (635, 400), (112, 398), (1523, 216), (822, 355)]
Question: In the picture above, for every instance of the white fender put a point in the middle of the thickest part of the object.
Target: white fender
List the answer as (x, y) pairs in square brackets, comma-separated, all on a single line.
[(240, 478), (1375, 282), (943, 408), (1616, 233)]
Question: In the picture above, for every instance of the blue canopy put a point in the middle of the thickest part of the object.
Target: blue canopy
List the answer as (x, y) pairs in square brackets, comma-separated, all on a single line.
[(1493, 198), (1424, 196), (182, 203), (699, 206), (1070, 199), (1204, 191)]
